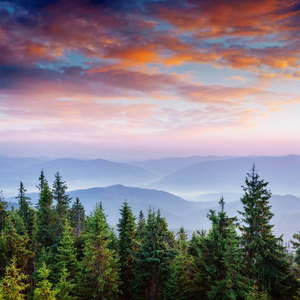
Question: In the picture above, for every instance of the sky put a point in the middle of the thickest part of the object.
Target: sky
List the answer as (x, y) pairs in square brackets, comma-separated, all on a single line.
[(142, 79)]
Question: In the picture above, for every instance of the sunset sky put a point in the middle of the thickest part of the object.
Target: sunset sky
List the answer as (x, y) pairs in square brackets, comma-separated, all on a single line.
[(145, 78)]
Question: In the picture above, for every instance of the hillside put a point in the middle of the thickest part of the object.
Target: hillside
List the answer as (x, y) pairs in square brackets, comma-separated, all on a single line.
[(178, 211), (283, 174)]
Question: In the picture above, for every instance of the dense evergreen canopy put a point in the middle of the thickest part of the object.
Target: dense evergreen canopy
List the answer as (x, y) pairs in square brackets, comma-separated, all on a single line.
[(55, 251)]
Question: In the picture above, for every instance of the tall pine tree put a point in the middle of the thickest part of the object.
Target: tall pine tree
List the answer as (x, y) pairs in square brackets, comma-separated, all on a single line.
[(13, 285), (127, 237), (153, 257), (3, 211), (67, 266), (264, 256), (43, 290), (77, 216), (59, 189), (25, 211), (99, 271)]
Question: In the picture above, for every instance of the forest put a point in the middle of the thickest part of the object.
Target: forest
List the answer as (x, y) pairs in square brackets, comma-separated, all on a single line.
[(54, 251)]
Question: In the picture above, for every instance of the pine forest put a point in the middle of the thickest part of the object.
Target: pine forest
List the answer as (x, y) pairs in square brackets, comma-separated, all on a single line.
[(55, 251)]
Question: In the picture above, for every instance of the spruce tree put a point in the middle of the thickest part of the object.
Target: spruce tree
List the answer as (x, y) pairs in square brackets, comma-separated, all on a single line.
[(264, 256), (12, 287), (14, 244), (181, 281), (127, 237), (65, 287), (77, 216), (152, 259), (3, 211), (45, 235), (66, 259), (99, 271), (42, 181), (221, 259), (25, 211), (296, 245), (46, 238), (59, 188), (141, 225), (43, 290)]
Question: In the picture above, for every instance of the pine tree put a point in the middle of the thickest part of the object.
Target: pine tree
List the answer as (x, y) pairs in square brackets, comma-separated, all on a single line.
[(42, 180), (100, 272), (263, 254), (221, 259), (14, 244), (59, 188), (152, 259), (77, 216), (3, 211), (43, 290), (66, 258), (296, 245), (127, 237), (46, 238), (25, 211), (181, 282), (45, 235), (12, 287), (141, 225), (65, 286)]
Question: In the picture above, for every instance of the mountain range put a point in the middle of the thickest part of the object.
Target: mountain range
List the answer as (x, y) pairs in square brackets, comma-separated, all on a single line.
[(189, 177), (178, 211)]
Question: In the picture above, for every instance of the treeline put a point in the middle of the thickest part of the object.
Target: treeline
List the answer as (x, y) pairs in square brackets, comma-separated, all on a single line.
[(54, 251)]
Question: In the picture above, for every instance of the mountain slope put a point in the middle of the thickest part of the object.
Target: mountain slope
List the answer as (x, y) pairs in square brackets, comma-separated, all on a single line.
[(77, 173), (283, 173), (163, 167), (179, 212)]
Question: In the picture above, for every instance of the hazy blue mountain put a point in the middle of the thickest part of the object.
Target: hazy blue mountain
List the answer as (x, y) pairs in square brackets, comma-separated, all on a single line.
[(228, 175), (179, 212), (165, 166), (77, 173), (286, 210)]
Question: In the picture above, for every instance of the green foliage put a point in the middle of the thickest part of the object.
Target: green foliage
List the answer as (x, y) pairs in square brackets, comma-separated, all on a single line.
[(67, 265), (25, 211), (86, 260), (153, 258), (12, 287), (99, 272), (220, 258), (77, 216), (296, 245), (65, 286), (254, 294), (14, 244), (59, 188), (45, 235), (43, 290), (181, 281), (141, 225), (127, 237), (264, 256), (3, 211)]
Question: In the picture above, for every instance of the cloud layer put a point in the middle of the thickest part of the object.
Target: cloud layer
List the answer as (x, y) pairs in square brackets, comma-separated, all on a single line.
[(146, 71)]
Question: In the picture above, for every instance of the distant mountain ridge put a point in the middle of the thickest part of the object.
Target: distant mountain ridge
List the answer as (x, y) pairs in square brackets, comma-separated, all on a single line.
[(165, 166), (195, 175), (228, 175), (178, 211), (77, 173)]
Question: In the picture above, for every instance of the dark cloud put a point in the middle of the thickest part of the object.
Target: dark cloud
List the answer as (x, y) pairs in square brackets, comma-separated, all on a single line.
[(33, 5)]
